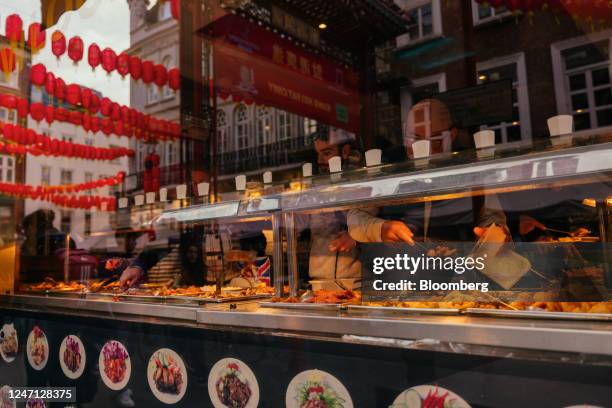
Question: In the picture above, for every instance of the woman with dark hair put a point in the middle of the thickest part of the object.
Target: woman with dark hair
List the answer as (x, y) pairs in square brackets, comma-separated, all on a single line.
[(41, 237)]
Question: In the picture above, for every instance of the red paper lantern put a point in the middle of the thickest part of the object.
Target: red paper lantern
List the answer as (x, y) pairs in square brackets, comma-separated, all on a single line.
[(94, 106), (61, 114), (38, 75), (22, 107), (135, 68), (175, 8), (8, 101), (147, 72), (58, 44), (7, 61), (75, 49), (36, 37), (105, 106), (31, 134), (160, 75), (109, 60), (37, 111), (86, 97), (75, 117), (107, 126), (125, 114), (50, 83), (73, 94), (86, 122), (60, 89), (95, 124), (115, 111), (174, 79), (13, 28), (49, 114), (93, 55), (123, 64)]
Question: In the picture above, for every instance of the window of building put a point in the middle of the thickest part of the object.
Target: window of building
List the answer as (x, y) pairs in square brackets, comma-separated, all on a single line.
[(12, 81), (88, 179), (152, 94), (582, 77), (45, 175), (141, 152), (264, 125), (171, 153), (66, 177), (483, 12), (164, 11), (89, 141), (116, 160), (241, 127), (65, 221), (67, 138), (8, 116), (423, 18), (167, 93), (87, 223), (512, 68), (421, 89), (7, 169), (223, 132), (284, 125)]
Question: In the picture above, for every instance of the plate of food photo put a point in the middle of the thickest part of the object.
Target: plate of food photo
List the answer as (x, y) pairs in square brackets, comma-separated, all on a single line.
[(317, 389), (167, 376), (232, 384), (72, 357), (423, 396), (37, 348), (9, 344), (115, 365)]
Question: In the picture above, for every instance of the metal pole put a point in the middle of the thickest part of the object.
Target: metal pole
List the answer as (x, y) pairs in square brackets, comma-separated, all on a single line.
[(278, 262), (292, 255)]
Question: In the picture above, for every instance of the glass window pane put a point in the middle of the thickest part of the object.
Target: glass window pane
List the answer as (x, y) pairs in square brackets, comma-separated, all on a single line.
[(601, 77), (498, 136), (604, 117), (582, 121), (580, 101), (577, 81), (484, 11), (513, 133), (603, 97), (426, 19), (585, 55)]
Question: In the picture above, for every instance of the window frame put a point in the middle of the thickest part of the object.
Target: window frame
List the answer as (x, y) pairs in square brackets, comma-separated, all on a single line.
[(495, 17), (406, 97), (242, 129), (404, 40), (5, 168), (522, 94), (561, 78)]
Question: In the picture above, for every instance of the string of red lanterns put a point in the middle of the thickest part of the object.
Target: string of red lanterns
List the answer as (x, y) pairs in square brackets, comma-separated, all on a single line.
[(26, 141), (84, 202)]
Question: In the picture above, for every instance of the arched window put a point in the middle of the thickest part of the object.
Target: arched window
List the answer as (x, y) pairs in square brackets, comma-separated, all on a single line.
[(241, 127), (264, 126), (284, 122), (222, 132)]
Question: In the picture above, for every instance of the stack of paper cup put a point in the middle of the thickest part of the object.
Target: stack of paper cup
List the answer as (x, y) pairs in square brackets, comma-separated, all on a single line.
[(181, 191), (484, 139), (373, 157), (139, 200), (307, 170), (421, 149), (335, 164), (560, 125), (267, 177), (163, 194), (240, 182), (203, 188), (150, 197)]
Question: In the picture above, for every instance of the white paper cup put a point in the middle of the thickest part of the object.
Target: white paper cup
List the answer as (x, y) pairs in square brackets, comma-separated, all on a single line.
[(203, 188), (123, 202), (373, 157), (240, 182), (151, 197), (421, 149), (335, 164), (163, 194), (560, 125), (307, 170), (181, 191), (139, 199), (267, 177), (484, 139)]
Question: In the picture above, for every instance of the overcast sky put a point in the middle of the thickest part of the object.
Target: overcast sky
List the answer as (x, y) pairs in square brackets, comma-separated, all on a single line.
[(105, 22)]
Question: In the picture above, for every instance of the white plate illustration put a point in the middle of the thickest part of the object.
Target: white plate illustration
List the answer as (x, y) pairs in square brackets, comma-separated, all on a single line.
[(167, 376), (37, 348), (35, 403), (422, 395), (72, 356), (313, 385), (5, 401), (9, 343), (115, 365), (231, 373)]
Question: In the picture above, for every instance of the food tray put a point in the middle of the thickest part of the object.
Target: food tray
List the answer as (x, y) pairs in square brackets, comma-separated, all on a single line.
[(140, 298), (201, 300), (404, 310), (302, 306), (537, 314), (55, 293)]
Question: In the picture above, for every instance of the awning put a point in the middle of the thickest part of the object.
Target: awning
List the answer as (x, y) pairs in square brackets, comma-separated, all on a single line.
[(52, 10)]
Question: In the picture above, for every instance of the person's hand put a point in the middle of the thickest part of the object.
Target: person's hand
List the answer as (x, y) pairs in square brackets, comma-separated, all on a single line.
[(528, 224), (396, 231), (342, 243), (129, 277), (498, 234)]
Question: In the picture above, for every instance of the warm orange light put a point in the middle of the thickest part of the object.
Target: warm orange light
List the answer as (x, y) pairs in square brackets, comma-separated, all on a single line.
[(322, 26)]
